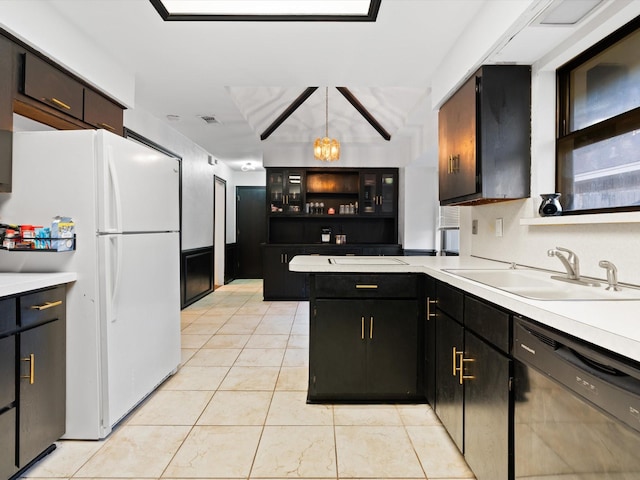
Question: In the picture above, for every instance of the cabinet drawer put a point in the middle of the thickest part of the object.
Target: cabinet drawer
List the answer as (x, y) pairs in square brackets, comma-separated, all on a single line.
[(43, 306), (7, 371), (488, 322), (101, 112), (450, 300), (7, 315), (8, 443), (366, 286), (48, 85)]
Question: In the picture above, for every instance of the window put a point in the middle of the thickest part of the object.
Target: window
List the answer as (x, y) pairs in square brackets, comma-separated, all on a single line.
[(598, 146)]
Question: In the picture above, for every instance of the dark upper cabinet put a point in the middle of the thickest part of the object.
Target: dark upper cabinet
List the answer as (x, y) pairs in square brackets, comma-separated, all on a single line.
[(484, 137), (6, 113), (379, 193), (285, 191), (102, 113), (47, 84)]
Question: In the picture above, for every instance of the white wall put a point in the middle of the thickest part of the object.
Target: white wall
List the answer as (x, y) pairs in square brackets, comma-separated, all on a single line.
[(527, 245)]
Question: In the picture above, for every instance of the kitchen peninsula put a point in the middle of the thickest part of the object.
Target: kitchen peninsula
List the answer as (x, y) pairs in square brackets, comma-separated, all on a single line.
[(466, 349)]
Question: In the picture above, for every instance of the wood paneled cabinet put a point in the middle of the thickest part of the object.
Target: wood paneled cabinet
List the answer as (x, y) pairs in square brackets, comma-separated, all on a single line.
[(473, 380), (102, 113), (484, 133), (47, 84), (365, 341), (6, 113), (33, 358)]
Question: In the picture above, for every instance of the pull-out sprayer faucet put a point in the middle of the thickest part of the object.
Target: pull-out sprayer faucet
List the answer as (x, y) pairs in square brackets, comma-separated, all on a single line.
[(612, 275)]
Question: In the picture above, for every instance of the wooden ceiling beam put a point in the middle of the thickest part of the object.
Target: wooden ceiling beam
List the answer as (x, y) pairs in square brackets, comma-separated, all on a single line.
[(364, 112), (287, 113)]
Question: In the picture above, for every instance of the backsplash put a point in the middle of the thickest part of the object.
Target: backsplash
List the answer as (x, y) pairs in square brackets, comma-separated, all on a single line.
[(528, 245)]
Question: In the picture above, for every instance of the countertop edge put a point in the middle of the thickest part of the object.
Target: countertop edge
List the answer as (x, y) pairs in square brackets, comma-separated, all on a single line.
[(17, 283)]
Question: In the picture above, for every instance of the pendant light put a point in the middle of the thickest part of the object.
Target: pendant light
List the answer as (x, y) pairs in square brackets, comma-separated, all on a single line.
[(326, 149)]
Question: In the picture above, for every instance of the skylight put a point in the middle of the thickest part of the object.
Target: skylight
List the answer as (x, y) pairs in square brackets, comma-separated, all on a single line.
[(268, 10)]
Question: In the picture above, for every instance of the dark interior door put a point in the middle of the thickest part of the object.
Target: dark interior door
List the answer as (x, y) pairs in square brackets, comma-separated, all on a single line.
[(251, 230)]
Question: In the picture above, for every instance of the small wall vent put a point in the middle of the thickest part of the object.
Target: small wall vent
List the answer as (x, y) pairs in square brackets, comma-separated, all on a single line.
[(210, 119)]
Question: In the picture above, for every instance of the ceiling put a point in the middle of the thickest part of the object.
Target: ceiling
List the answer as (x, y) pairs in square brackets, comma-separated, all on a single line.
[(245, 74)]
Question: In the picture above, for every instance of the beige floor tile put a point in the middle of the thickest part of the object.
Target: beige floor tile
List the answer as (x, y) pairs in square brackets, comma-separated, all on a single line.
[(296, 357), (366, 415), (274, 325), (167, 407), (251, 378), (283, 308), (438, 454), (421, 414), (196, 378), (214, 357), (227, 341), (295, 452), (237, 328), (300, 328), (193, 341), (260, 357), (290, 408), (253, 308), (216, 452), (268, 341), (136, 451), (213, 319), (65, 460), (220, 310), (298, 341), (365, 452), (293, 378), (186, 354), (201, 329), (236, 408)]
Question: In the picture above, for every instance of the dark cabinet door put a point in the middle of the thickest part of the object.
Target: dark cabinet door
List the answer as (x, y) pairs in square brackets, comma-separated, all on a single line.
[(487, 407), (8, 443), (285, 191), (279, 282), (450, 391), (42, 389), (337, 350), (6, 113), (430, 342), (7, 371), (378, 193), (102, 113), (47, 84), (457, 143), (392, 347)]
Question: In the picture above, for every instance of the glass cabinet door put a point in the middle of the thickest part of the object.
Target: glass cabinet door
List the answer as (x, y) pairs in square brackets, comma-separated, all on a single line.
[(387, 198), (276, 191), (293, 198), (369, 193)]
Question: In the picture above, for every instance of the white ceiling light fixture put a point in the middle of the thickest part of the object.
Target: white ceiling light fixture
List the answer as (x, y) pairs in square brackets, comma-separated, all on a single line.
[(273, 10), (248, 167), (566, 12), (326, 149)]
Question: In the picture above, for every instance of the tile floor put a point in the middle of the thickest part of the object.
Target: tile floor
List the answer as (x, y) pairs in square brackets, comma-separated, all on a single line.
[(236, 410)]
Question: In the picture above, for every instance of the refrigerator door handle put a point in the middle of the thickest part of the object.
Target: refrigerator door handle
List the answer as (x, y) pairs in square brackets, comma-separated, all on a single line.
[(114, 250), (115, 189)]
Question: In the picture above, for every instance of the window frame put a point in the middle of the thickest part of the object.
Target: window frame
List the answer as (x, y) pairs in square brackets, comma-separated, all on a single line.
[(608, 128)]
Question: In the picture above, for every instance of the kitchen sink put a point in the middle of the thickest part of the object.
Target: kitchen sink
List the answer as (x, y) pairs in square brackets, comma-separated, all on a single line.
[(538, 285)]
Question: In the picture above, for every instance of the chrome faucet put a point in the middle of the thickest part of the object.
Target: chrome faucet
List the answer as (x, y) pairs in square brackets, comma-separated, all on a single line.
[(612, 275), (571, 264)]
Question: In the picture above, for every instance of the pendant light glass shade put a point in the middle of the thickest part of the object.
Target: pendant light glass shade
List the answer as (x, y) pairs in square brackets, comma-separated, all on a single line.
[(326, 149)]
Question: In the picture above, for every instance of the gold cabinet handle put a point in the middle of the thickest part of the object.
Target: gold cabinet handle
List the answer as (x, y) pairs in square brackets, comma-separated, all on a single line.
[(107, 126), (362, 331), (32, 368), (429, 303), (58, 103), (371, 328), (461, 368), (362, 286), (46, 305), (455, 362)]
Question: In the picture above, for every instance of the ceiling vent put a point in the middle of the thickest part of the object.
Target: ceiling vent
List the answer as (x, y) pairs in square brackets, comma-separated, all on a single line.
[(211, 119)]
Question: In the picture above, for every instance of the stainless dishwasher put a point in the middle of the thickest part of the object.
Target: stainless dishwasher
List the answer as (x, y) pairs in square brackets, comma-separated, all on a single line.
[(577, 408)]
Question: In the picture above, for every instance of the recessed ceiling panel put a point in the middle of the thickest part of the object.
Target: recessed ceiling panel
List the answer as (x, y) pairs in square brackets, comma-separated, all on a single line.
[(273, 10)]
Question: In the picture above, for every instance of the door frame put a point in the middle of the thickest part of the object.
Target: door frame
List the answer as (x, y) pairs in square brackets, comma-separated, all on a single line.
[(218, 224)]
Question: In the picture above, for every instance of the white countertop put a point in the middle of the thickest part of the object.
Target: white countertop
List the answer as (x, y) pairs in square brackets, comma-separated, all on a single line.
[(15, 283), (610, 324)]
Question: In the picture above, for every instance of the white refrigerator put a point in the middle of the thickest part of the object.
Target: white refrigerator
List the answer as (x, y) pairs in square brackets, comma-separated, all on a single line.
[(123, 312)]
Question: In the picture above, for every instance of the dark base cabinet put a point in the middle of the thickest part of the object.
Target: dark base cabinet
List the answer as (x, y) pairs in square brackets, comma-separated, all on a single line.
[(365, 338), (32, 376)]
